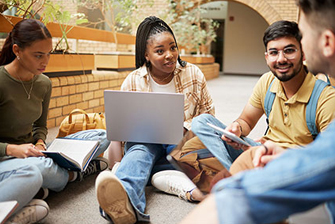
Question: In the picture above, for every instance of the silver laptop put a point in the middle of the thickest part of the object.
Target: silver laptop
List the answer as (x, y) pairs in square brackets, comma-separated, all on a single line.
[(145, 117)]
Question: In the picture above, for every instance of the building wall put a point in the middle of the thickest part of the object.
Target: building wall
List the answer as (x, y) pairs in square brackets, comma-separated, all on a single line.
[(86, 92), (273, 10), (243, 45), (270, 10), (99, 47)]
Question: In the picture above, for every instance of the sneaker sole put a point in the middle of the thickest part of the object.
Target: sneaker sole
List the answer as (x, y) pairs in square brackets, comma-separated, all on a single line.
[(111, 193)]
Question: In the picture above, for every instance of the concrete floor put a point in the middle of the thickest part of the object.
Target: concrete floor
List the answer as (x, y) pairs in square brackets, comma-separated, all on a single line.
[(78, 204)]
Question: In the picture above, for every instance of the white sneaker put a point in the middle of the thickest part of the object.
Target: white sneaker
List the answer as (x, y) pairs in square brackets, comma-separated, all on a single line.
[(33, 212), (173, 182)]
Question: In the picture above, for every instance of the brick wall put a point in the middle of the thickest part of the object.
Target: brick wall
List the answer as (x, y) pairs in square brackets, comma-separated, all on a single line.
[(86, 91), (84, 46), (270, 10), (287, 9), (81, 91)]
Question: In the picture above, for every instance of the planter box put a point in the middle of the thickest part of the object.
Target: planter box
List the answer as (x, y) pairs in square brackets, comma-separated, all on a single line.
[(195, 59), (69, 64), (115, 62)]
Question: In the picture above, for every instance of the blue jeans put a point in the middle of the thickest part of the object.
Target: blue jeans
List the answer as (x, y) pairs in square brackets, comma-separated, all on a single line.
[(299, 180), (211, 138), (20, 184), (20, 179), (135, 169)]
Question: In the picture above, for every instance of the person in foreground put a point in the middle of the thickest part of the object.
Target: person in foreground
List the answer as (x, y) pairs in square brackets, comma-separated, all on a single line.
[(297, 180), (121, 196), (292, 87), (24, 100)]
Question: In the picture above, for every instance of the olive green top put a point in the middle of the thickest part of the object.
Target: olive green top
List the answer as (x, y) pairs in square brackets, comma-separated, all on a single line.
[(23, 120)]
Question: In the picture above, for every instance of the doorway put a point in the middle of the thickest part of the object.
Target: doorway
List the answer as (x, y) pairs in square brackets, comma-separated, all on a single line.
[(217, 46)]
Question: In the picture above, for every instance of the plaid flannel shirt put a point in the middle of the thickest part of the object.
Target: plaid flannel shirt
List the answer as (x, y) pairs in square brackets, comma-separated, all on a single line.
[(188, 80)]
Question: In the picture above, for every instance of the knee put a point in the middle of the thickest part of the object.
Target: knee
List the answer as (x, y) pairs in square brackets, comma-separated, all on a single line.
[(104, 142), (243, 162), (143, 150), (91, 134), (200, 120), (100, 132), (96, 134), (46, 166), (34, 176)]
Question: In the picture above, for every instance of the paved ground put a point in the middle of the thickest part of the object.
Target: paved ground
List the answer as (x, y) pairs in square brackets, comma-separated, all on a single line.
[(78, 204)]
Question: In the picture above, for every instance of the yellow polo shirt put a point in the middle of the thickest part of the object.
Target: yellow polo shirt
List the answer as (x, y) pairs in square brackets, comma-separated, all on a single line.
[(287, 120)]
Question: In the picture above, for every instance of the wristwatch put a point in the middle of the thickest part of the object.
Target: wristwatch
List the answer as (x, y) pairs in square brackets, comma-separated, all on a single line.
[(42, 144)]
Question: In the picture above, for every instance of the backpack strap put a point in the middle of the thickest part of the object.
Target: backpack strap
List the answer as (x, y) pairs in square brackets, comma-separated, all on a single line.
[(310, 108), (268, 101), (312, 105)]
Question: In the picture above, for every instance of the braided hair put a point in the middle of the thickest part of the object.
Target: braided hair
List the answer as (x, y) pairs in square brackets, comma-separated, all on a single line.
[(149, 27)]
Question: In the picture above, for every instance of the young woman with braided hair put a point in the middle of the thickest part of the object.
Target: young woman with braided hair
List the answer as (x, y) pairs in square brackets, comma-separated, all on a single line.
[(159, 68)]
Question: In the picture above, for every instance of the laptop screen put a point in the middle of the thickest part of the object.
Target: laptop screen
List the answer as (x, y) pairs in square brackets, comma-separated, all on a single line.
[(145, 117)]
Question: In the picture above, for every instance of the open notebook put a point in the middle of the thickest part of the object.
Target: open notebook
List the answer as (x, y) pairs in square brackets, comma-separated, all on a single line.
[(72, 154)]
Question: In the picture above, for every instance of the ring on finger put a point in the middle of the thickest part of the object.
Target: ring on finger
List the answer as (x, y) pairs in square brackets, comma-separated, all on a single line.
[(266, 149)]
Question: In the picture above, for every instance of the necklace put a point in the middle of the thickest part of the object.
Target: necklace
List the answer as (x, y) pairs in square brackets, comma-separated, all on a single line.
[(162, 80), (31, 87)]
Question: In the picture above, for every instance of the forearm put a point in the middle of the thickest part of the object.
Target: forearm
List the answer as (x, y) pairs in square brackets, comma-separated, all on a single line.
[(244, 126)]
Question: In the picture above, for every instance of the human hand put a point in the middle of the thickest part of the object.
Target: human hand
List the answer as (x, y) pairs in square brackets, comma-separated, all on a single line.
[(23, 150), (236, 130), (266, 153), (219, 176), (41, 145)]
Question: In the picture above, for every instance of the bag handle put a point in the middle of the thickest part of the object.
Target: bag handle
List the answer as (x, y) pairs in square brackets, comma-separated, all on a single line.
[(80, 111)]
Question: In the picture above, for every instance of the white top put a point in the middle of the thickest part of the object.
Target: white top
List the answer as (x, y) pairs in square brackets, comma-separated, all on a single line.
[(166, 88)]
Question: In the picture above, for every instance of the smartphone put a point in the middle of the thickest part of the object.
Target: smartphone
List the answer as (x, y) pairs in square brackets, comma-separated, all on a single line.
[(230, 135)]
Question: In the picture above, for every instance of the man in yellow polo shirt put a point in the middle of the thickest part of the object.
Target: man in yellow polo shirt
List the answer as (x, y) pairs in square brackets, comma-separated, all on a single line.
[(292, 87), (297, 180)]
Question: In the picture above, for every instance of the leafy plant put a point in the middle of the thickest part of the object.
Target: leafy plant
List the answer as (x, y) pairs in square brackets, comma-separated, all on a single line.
[(63, 18), (191, 30), (119, 15), (47, 11)]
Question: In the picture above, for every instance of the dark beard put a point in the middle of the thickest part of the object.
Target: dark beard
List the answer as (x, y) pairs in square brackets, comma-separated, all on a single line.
[(286, 77)]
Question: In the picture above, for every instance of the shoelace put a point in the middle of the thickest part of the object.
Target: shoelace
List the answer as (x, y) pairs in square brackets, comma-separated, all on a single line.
[(28, 216), (177, 189), (91, 168)]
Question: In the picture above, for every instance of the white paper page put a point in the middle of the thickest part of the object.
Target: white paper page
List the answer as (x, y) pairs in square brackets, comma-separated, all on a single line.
[(6, 208), (75, 149)]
